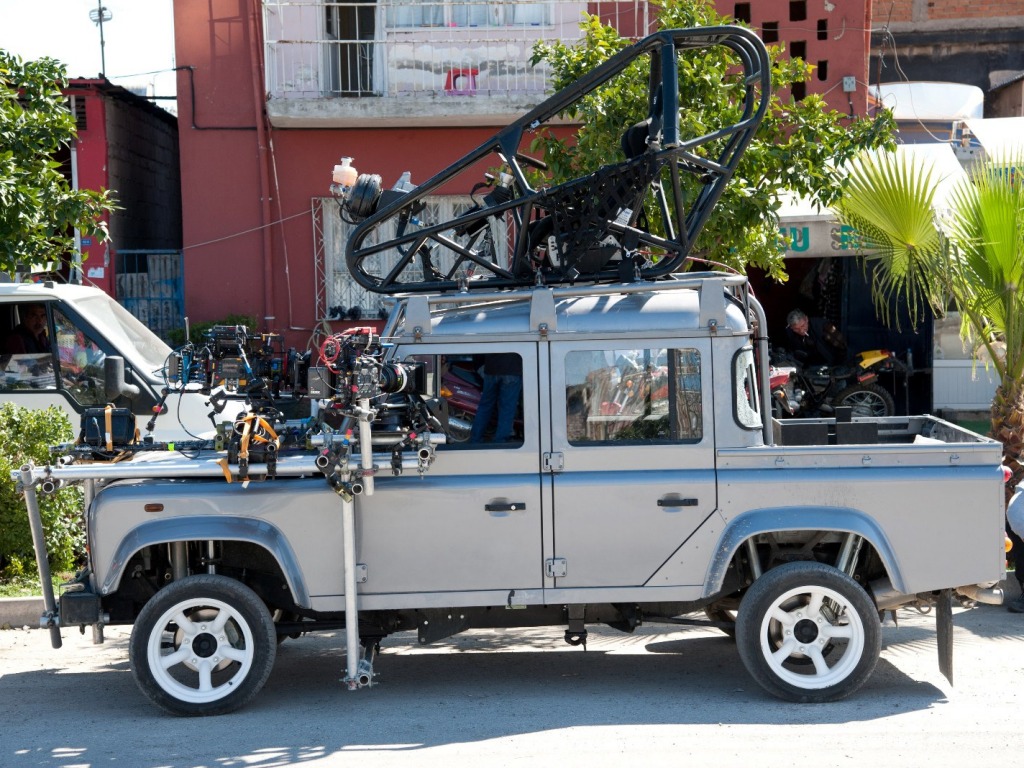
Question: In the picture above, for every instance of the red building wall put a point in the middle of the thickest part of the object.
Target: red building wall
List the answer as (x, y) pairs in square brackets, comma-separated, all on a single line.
[(93, 173), (128, 146), (835, 37)]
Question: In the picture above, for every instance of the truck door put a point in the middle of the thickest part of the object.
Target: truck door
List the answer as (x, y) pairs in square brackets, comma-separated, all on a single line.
[(473, 522), (632, 461)]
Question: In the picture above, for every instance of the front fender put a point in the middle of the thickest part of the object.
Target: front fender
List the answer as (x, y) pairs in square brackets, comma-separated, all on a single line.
[(774, 520), (209, 528)]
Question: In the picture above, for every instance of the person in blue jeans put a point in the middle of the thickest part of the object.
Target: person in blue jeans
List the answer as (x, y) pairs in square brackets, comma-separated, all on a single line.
[(503, 383)]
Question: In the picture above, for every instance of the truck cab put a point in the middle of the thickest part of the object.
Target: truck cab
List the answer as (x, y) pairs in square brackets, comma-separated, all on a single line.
[(83, 327)]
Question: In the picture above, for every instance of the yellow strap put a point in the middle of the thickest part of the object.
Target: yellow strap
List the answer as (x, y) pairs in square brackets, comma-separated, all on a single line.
[(108, 413), (264, 432), (227, 472), (256, 429), (243, 447)]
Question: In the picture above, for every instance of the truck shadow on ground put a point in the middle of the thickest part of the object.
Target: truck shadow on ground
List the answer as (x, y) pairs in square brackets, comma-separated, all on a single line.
[(477, 687)]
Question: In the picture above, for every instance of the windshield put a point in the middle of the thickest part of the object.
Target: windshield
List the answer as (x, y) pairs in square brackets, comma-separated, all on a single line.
[(126, 333)]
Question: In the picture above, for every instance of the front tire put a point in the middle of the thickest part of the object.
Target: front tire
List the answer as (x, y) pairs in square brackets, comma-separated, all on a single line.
[(203, 645), (807, 632)]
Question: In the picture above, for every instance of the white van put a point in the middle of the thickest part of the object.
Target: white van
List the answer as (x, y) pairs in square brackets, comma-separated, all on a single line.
[(84, 327)]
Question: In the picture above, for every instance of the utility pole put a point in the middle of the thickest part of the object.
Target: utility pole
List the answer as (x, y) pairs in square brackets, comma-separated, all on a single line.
[(98, 16)]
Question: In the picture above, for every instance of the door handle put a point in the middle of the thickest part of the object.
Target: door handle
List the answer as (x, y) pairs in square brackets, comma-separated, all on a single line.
[(505, 506), (677, 502)]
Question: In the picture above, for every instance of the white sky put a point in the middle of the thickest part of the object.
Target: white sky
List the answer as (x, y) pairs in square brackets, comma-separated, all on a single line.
[(139, 39)]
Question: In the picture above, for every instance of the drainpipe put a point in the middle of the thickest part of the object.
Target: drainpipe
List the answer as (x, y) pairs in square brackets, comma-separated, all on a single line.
[(256, 56), (75, 276)]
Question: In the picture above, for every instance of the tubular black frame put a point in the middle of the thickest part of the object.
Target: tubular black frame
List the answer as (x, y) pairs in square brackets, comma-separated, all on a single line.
[(665, 152)]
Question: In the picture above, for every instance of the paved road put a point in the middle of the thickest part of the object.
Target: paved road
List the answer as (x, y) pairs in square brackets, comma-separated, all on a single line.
[(525, 698)]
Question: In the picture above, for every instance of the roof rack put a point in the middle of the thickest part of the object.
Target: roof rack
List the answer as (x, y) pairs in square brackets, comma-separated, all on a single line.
[(416, 310)]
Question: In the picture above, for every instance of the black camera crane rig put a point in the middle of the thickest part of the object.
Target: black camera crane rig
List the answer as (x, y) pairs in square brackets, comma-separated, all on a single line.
[(634, 219)]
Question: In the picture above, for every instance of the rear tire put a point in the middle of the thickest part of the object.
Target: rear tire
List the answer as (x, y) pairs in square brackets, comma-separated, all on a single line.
[(808, 633), (203, 645), (867, 400)]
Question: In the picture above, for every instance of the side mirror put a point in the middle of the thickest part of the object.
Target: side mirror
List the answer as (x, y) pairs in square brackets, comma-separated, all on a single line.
[(114, 384)]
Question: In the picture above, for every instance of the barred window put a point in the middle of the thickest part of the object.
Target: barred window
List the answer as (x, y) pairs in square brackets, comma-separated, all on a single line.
[(474, 13), (345, 297)]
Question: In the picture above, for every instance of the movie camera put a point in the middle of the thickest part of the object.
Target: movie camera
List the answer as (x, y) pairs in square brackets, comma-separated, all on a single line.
[(353, 368), (232, 358)]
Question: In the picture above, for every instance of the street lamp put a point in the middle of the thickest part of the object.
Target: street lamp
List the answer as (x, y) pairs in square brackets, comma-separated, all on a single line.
[(98, 16)]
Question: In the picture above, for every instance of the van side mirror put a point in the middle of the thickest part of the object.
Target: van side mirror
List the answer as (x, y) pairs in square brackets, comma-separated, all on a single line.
[(114, 384)]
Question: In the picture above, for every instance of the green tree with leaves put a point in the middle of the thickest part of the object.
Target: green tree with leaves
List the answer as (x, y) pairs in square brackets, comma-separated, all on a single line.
[(797, 148), (970, 258), (38, 208)]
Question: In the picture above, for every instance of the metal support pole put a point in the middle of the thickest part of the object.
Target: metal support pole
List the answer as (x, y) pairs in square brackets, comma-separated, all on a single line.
[(754, 558), (352, 652), (358, 670), (179, 560), (848, 553), (49, 620), (366, 444), (764, 383)]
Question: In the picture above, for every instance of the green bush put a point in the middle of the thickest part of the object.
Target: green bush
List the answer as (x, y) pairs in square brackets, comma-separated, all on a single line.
[(26, 435)]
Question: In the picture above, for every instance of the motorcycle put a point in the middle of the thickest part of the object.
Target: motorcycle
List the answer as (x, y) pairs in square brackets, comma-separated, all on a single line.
[(806, 391), (462, 387)]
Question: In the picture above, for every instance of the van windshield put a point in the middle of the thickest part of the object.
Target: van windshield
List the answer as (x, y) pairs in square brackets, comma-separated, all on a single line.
[(125, 332)]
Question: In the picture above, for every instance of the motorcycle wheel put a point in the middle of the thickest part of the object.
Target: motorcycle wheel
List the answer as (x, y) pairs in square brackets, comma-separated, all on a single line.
[(867, 400)]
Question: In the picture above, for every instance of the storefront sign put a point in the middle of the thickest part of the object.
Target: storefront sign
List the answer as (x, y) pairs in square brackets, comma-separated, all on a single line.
[(818, 239)]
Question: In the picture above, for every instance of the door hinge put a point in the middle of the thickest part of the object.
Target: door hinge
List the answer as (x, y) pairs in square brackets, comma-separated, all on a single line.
[(556, 567), (554, 462)]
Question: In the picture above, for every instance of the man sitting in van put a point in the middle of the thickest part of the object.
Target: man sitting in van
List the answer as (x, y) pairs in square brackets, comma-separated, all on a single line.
[(28, 358), (30, 336)]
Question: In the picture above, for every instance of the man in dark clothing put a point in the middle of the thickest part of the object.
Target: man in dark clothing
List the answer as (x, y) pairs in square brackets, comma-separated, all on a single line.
[(503, 383), (812, 341), (29, 337), (1014, 524)]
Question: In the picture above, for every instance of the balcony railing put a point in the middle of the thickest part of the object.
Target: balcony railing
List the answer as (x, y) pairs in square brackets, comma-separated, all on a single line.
[(422, 48)]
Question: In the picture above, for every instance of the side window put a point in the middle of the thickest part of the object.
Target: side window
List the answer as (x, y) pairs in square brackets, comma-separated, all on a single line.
[(26, 361), (747, 406), (80, 362), (644, 395), (479, 396)]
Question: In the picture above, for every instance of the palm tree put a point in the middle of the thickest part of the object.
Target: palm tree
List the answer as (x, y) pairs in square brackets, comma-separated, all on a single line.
[(970, 259)]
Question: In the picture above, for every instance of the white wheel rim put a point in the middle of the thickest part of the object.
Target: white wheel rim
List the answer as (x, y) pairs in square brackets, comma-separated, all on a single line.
[(802, 623), (200, 650)]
